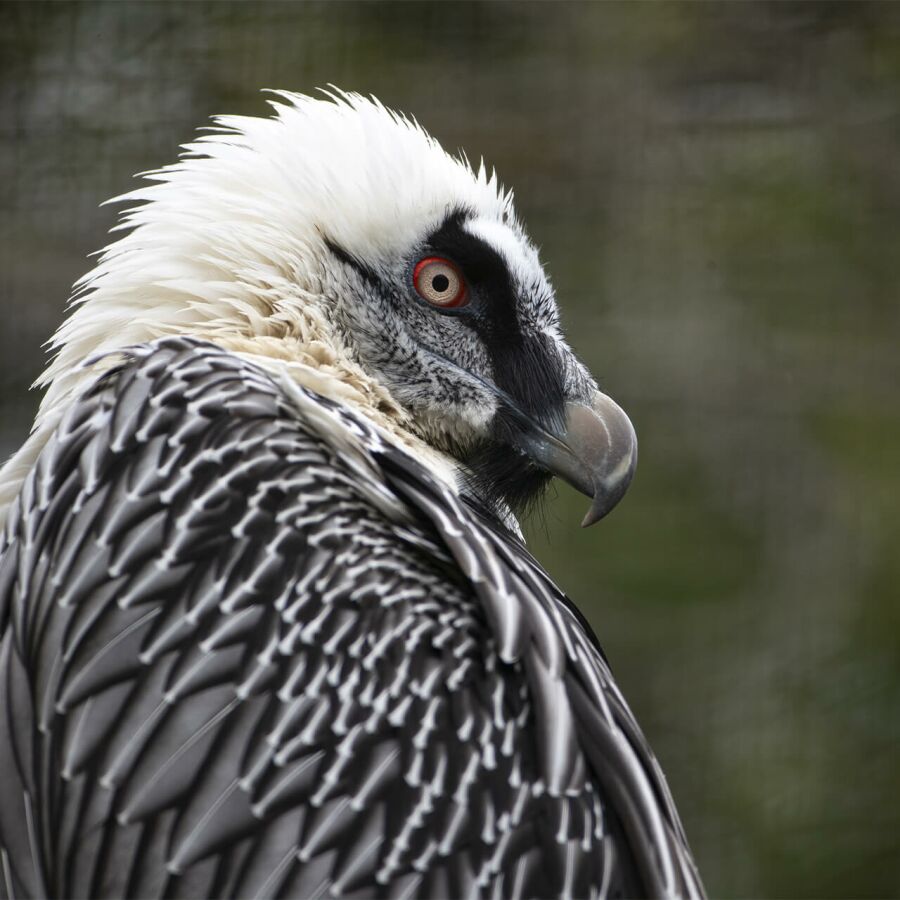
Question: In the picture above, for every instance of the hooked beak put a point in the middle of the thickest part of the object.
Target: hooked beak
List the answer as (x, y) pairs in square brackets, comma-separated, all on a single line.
[(595, 452)]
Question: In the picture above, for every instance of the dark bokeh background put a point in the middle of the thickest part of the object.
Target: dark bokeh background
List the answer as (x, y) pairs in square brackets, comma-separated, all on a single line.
[(716, 189)]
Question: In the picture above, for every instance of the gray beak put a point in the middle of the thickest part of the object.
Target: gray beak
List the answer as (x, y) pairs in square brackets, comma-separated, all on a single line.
[(596, 452)]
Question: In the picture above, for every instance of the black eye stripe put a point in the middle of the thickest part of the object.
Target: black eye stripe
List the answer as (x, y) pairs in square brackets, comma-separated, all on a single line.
[(526, 364), (485, 271)]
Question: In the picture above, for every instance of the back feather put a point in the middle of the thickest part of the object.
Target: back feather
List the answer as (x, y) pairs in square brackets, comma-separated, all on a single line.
[(249, 647)]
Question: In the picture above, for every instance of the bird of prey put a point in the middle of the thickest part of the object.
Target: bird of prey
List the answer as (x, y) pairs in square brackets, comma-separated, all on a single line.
[(268, 626)]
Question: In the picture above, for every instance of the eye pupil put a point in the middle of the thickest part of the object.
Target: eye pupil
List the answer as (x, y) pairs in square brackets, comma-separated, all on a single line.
[(440, 282)]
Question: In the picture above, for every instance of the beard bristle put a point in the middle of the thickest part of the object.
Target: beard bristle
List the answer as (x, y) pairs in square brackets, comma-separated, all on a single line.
[(499, 476)]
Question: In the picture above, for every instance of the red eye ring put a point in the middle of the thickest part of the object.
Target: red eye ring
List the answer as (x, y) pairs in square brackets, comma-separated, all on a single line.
[(440, 282)]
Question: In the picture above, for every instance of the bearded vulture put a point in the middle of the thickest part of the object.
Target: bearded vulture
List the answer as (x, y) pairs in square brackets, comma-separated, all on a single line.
[(268, 626)]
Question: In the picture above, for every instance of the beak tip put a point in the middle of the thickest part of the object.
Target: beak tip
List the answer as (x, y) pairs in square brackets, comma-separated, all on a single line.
[(612, 489), (595, 513), (590, 519), (604, 503)]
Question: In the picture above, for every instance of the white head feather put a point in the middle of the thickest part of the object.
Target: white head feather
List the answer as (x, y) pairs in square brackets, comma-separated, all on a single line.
[(227, 244), (236, 247)]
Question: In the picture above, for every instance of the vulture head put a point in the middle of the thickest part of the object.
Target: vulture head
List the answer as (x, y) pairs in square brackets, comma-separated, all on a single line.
[(338, 241)]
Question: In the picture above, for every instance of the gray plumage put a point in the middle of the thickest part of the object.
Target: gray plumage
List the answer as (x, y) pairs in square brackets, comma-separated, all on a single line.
[(238, 661)]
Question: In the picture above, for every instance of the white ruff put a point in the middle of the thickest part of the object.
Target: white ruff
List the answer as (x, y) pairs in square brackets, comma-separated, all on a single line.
[(227, 244)]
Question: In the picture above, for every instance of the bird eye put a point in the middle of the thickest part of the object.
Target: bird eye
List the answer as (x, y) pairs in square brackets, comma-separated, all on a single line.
[(439, 282)]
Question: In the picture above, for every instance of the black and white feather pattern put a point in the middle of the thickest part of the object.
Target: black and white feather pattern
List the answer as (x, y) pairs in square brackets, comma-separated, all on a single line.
[(251, 648)]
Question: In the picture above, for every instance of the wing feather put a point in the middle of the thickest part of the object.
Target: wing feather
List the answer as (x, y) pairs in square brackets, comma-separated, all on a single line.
[(248, 647)]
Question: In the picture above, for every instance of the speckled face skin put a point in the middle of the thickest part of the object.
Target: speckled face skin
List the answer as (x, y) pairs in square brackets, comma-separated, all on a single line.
[(470, 376)]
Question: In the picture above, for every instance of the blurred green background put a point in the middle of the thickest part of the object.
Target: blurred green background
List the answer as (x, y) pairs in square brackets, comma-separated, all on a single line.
[(716, 191)]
